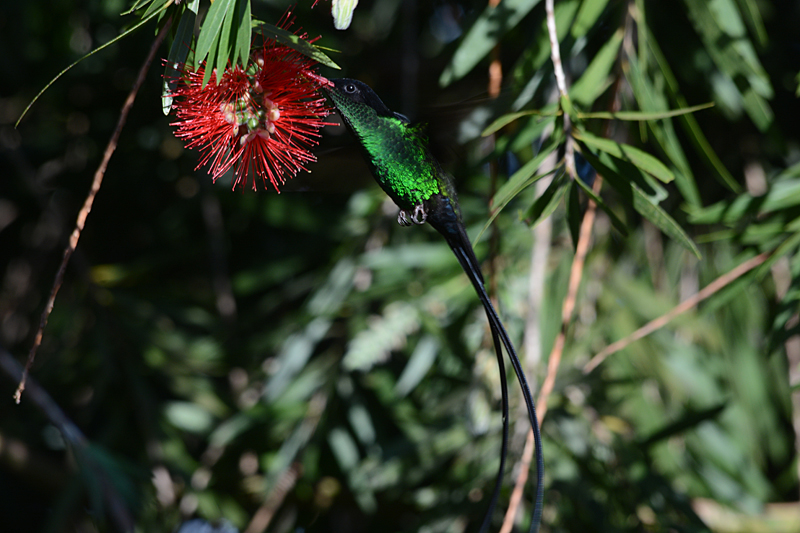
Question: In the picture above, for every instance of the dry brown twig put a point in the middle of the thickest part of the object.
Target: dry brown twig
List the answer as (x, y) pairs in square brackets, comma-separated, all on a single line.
[(87, 207), (575, 277), (655, 324)]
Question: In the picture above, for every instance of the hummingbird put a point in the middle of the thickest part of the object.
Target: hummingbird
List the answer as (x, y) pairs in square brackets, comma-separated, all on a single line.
[(400, 160)]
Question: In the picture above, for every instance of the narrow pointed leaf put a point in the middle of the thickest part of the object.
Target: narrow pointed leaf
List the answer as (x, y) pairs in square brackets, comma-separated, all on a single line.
[(505, 120), (652, 212), (101, 47), (544, 206), (651, 95), (178, 53), (615, 220), (521, 179), (210, 33), (296, 43), (243, 33), (594, 79), (644, 115), (754, 20), (690, 123), (136, 5), (587, 15), (154, 6), (224, 47), (487, 30), (641, 159)]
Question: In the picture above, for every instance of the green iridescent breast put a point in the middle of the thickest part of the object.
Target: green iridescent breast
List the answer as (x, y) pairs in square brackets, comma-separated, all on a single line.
[(397, 154)]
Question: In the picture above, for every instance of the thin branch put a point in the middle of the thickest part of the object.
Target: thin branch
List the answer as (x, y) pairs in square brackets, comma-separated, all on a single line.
[(575, 275), (710, 289), (87, 207), (561, 82), (74, 436)]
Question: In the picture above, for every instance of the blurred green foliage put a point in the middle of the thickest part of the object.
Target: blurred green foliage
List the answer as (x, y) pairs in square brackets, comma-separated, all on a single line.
[(225, 352)]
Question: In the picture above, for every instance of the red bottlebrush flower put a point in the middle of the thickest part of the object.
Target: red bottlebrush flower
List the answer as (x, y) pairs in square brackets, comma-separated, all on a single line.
[(261, 121)]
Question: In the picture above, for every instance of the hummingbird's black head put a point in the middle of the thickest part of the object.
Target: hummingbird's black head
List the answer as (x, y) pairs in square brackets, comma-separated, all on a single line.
[(357, 92)]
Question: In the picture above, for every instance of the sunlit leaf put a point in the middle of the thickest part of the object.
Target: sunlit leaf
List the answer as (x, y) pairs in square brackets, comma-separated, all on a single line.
[(385, 333), (421, 360), (208, 43), (544, 205), (511, 117), (593, 81), (644, 115), (641, 159), (615, 220), (691, 125), (519, 181), (178, 53), (294, 42), (587, 16)]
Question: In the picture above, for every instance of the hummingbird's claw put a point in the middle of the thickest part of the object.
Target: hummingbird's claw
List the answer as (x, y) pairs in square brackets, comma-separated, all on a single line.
[(420, 215), (402, 218)]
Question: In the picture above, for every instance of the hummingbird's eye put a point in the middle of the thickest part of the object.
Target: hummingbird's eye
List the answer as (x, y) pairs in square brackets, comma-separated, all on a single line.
[(350, 88)]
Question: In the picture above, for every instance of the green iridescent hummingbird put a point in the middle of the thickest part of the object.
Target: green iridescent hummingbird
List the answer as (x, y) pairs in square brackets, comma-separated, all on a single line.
[(400, 160)]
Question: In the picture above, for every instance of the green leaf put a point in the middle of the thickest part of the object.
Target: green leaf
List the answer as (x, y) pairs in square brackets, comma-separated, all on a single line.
[(594, 79), (644, 115), (534, 66), (544, 206), (243, 33), (652, 212), (783, 249), (223, 59), (646, 205), (690, 123), (689, 420), (294, 42), (521, 179), (155, 6), (505, 120), (574, 215), (587, 15), (419, 363), (178, 53), (385, 333), (208, 41), (188, 416), (784, 194), (723, 33), (101, 47), (639, 158), (754, 20), (615, 220), (487, 30), (649, 92), (136, 5)]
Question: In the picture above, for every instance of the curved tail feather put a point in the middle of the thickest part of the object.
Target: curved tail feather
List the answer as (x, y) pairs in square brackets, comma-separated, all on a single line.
[(498, 484), (466, 257)]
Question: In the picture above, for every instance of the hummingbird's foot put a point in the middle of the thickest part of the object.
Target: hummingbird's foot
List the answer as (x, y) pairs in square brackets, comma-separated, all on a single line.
[(402, 218), (418, 217)]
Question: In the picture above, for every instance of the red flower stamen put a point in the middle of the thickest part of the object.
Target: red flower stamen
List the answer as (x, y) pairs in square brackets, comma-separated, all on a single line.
[(261, 121)]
